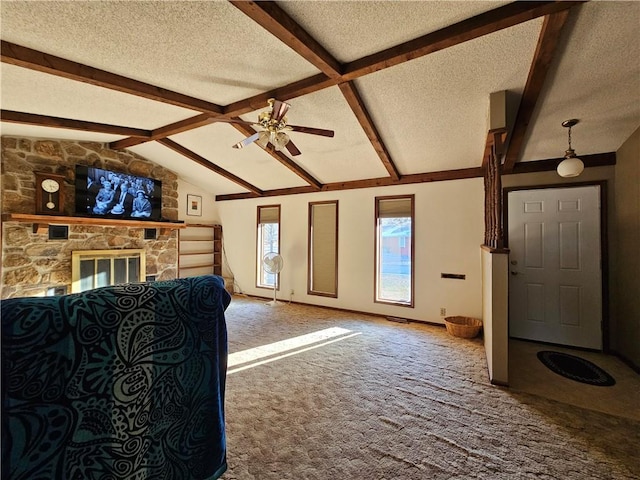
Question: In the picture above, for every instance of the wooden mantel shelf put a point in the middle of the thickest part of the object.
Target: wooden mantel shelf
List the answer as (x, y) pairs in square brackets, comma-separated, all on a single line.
[(41, 222)]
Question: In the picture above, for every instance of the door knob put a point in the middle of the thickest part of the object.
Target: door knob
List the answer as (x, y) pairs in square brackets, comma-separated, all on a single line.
[(513, 273)]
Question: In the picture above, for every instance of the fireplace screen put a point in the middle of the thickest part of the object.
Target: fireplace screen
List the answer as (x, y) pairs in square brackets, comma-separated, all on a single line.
[(100, 268)]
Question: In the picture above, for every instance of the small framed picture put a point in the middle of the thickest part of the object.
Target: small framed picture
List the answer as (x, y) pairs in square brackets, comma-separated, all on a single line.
[(194, 205)]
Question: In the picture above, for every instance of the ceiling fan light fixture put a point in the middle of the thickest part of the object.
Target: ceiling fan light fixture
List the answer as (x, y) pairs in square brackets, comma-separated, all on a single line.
[(571, 166), (263, 118), (280, 140), (273, 123), (263, 139)]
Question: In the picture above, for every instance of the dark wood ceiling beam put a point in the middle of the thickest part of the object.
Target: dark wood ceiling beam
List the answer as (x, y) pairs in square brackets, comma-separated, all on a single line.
[(302, 87), (488, 22), (43, 62), (28, 58), (292, 90), (277, 22), (542, 59), (282, 158), (369, 183), (70, 124), (166, 131), (469, 29), (354, 100), (176, 147), (549, 165)]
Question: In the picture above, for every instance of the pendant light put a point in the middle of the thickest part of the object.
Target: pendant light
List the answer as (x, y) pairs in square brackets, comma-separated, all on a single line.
[(571, 166)]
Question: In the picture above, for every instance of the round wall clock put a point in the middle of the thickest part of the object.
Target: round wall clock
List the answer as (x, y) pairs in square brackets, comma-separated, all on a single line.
[(49, 194)]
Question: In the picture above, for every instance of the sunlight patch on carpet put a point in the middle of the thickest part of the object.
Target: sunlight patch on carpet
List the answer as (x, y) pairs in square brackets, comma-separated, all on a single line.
[(271, 352)]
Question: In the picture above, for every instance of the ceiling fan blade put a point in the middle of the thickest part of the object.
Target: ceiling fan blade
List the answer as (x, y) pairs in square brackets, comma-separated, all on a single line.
[(293, 150), (247, 141), (311, 130), (279, 110)]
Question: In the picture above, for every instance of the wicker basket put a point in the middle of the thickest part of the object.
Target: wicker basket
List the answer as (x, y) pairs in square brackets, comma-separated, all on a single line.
[(465, 327)]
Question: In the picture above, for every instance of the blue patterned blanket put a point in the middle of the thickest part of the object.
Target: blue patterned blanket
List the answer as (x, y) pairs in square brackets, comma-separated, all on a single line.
[(122, 382)]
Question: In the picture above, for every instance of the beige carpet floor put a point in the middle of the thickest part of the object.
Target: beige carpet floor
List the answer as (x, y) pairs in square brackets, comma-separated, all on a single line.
[(316, 393)]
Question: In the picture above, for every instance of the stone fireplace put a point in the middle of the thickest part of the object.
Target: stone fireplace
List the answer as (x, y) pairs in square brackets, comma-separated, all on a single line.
[(32, 263)]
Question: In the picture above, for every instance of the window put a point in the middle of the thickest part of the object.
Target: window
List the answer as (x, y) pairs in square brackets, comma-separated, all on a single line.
[(394, 250), (268, 241), (323, 249), (100, 268)]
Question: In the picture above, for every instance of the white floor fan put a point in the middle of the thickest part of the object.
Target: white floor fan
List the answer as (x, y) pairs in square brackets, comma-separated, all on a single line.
[(273, 263)]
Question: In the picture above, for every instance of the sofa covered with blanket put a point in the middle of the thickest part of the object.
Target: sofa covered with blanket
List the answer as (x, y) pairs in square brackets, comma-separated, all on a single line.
[(124, 382)]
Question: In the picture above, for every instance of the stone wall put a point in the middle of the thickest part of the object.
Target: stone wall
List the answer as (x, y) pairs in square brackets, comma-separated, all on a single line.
[(31, 263)]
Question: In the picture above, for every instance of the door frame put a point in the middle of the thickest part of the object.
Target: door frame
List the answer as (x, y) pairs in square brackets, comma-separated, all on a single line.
[(604, 235)]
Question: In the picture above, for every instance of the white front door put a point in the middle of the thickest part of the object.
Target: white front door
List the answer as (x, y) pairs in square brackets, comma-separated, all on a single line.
[(555, 277)]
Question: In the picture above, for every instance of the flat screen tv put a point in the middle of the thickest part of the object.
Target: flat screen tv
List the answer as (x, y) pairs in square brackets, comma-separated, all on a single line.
[(109, 194)]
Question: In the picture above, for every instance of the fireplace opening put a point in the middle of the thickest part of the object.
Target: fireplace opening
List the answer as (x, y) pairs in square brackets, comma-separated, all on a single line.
[(100, 268)]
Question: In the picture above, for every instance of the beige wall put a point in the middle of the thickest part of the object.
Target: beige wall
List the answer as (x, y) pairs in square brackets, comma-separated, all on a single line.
[(625, 252), (210, 213), (495, 290), (449, 228)]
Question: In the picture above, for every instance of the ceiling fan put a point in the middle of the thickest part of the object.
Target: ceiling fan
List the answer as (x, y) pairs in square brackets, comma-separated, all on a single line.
[(274, 124)]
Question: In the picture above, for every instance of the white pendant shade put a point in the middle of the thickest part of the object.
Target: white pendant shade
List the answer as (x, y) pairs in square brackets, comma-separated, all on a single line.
[(570, 167)]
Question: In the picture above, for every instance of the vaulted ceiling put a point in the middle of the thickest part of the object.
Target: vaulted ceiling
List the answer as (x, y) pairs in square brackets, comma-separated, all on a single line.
[(405, 85)]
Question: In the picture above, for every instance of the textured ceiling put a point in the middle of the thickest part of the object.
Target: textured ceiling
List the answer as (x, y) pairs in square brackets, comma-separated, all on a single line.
[(424, 113)]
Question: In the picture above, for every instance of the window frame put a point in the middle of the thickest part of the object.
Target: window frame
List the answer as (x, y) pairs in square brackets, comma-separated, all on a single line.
[(377, 246), (260, 253), (310, 235)]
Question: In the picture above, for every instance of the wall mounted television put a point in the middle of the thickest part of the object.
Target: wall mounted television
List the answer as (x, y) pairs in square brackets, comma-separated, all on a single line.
[(110, 194)]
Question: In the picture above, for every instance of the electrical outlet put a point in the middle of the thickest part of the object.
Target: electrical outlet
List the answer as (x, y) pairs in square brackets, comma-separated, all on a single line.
[(443, 312), (292, 291)]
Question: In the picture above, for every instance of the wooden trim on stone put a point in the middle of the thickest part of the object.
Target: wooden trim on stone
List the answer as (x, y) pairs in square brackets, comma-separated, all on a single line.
[(41, 222)]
